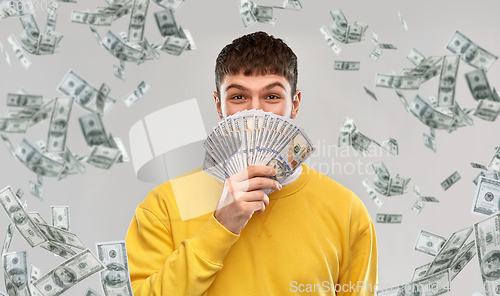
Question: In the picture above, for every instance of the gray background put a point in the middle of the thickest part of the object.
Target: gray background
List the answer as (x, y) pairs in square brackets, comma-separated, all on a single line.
[(102, 202)]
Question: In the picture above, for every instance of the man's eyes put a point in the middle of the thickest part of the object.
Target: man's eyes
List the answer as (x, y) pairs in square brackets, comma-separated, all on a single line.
[(269, 97)]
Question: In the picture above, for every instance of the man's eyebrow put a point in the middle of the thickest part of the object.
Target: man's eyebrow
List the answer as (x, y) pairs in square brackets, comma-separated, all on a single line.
[(237, 86), (274, 84)]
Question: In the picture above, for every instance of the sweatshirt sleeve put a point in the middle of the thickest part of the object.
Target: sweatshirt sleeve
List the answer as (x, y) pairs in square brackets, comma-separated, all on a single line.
[(361, 278), (158, 267)]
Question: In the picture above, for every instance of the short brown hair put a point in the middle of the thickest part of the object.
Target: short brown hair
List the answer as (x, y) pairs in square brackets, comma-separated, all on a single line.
[(257, 53)]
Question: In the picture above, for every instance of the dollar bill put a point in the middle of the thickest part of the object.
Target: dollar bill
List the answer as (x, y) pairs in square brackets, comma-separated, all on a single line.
[(58, 249), (360, 143), (14, 125), (138, 20), (430, 142), (397, 82), (36, 161), (370, 93), (118, 144), (429, 243), (115, 277), (119, 72), (57, 235), (20, 219), (170, 4), (450, 180), (391, 145), (16, 268), (487, 110), (36, 189), (24, 100), (246, 13), (136, 94), (68, 274), (60, 217), (415, 57), (478, 85), (403, 21), (8, 238), (93, 130), (375, 54), (418, 206), (479, 166), (429, 285), (329, 40), (174, 45), (470, 52), (291, 5), (71, 159), (403, 100), (85, 94), (428, 199), (46, 44), (166, 23), (495, 160), (389, 218), (345, 65), (487, 196), (8, 144), (102, 94), (35, 274), (464, 256), (52, 8), (488, 252), (447, 81), (121, 50), (430, 116), (103, 157), (346, 131), (56, 141), (373, 195), (431, 73), (187, 35), (419, 272), (386, 46), (90, 18), (374, 38), (449, 251)]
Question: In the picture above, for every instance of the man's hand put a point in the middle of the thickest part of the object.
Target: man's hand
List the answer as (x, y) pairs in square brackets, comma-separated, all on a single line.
[(244, 190)]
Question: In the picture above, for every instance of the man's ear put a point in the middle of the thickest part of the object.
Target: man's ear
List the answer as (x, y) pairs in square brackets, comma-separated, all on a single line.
[(296, 103), (217, 104)]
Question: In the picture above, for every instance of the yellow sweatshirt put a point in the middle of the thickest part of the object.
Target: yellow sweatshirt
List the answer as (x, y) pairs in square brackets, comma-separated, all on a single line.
[(315, 236)]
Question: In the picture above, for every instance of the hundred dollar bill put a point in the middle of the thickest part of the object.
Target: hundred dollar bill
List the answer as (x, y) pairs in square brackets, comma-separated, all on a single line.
[(102, 94), (418, 206), (8, 238), (246, 13), (36, 161), (449, 251), (430, 142), (60, 217), (450, 180), (391, 145), (174, 45), (370, 93), (415, 57), (428, 115), (138, 21), (386, 46), (403, 21), (389, 218), (429, 243), (419, 272), (464, 256), (85, 94), (373, 195), (346, 131), (5, 54), (403, 100), (425, 66), (291, 5), (429, 285), (36, 190), (488, 252), (170, 4), (71, 159), (121, 50), (495, 160), (360, 143), (16, 268), (478, 85), (118, 144), (93, 130), (89, 291), (428, 199), (14, 125), (487, 110), (52, 8), (397, 82), (115, 278), (329, 40), (51, 22), (344, 65), (166, 23), (374, 38), (56, 141), (22, 100), (20, 219), (447, 81), (470, 52), (431, 73), (89, 18), (35, 274), (55, 234), (103, 157), (487, 196), (375, 54), (119, 72), (68, 274), (136, 94), (187, 35), (60, 250), (478, 166)]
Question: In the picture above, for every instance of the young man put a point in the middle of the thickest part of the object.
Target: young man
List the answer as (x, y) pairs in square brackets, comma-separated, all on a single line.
[(311, 234)]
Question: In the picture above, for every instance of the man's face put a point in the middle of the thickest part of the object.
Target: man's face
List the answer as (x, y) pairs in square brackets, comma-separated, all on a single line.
[(271, 93)]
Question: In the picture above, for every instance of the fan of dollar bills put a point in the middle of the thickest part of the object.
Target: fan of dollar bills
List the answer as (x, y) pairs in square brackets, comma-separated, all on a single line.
[(255, 137)]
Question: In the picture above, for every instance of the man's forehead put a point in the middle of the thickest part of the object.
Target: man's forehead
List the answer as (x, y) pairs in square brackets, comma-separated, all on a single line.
[(254, 77)]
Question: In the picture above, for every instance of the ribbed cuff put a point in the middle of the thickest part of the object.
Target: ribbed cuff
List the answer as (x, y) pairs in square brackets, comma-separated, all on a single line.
[(213, 240)]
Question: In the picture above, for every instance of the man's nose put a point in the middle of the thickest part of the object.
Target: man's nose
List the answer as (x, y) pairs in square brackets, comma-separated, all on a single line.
[(256, 104)]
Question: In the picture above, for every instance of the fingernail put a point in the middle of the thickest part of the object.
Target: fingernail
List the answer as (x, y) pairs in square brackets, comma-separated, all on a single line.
[(270, 169), (278, 186)]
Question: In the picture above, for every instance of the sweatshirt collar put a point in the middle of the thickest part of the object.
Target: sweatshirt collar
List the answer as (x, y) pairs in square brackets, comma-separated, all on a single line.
[(293, 187)]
